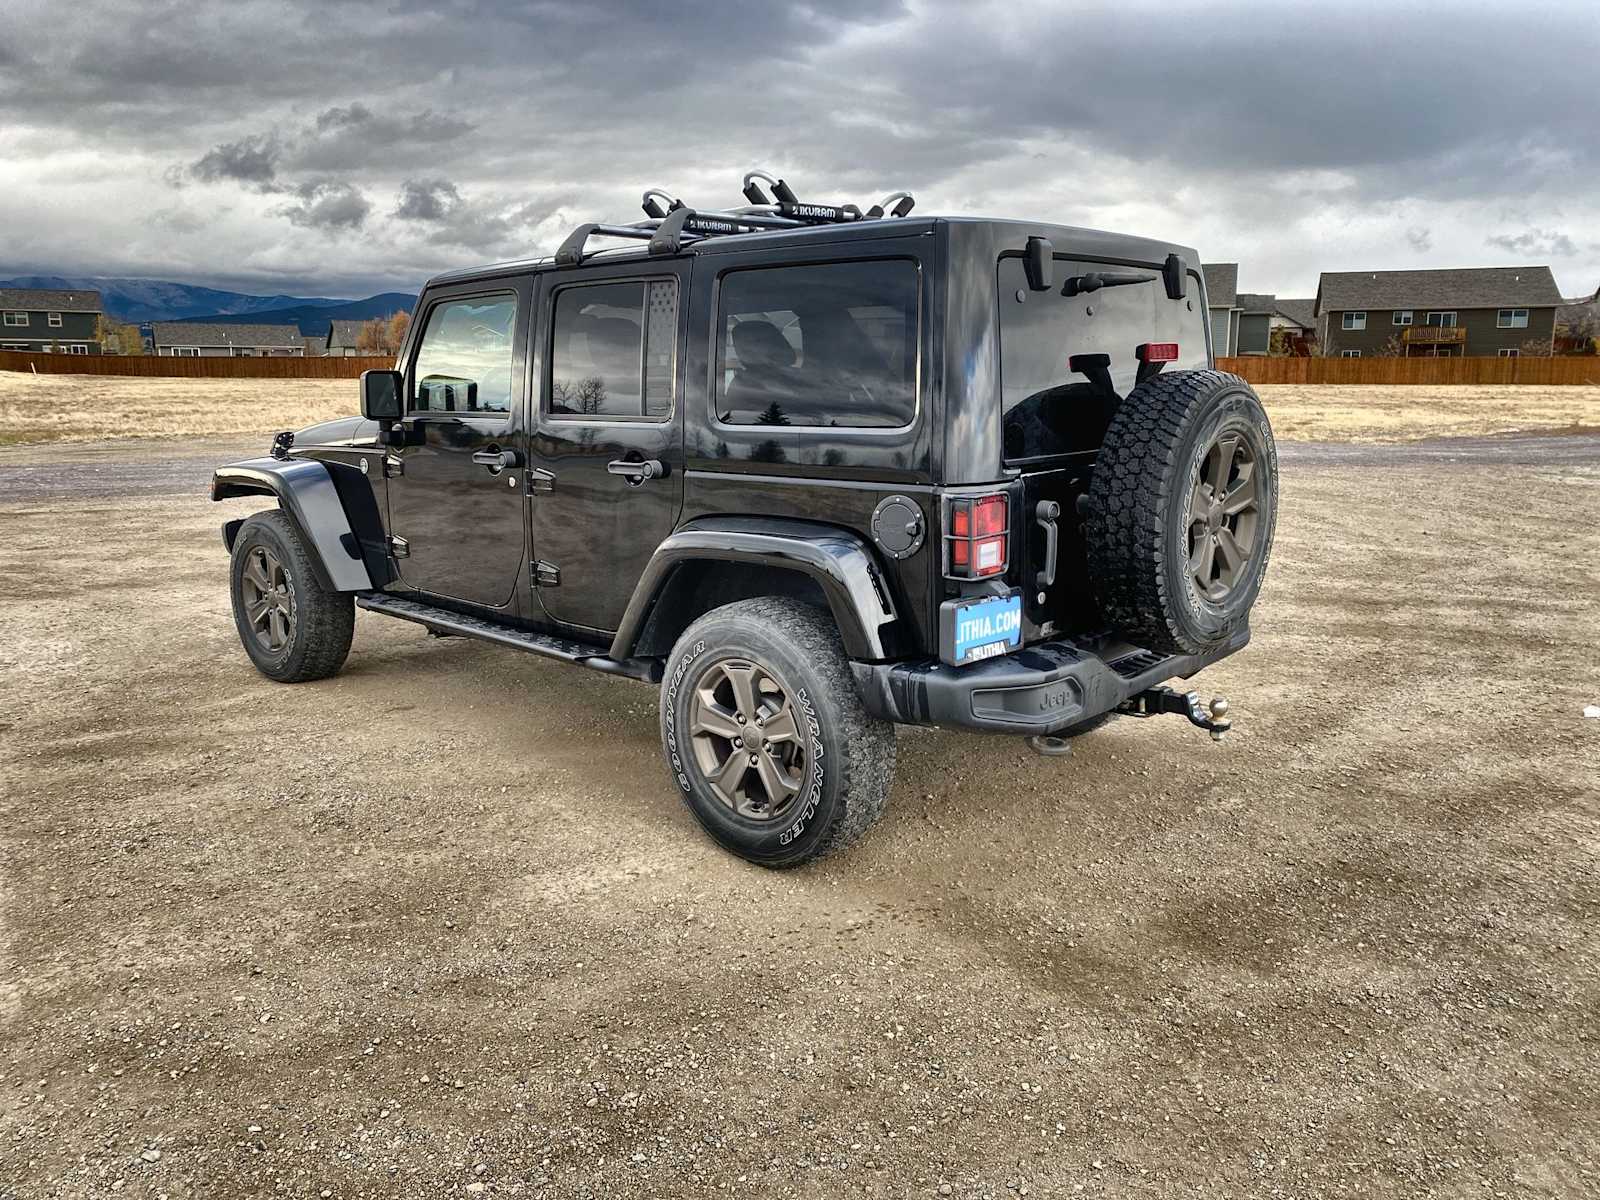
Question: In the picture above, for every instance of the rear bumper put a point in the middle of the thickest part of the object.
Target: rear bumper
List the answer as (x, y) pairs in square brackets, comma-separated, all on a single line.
[(1039, 689)]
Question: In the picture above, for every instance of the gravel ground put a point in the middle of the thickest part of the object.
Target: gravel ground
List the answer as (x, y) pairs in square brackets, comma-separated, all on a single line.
[(440, 926)]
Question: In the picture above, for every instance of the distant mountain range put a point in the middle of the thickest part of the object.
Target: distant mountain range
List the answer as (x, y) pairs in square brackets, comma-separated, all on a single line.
[(141, 300), (314, 316)]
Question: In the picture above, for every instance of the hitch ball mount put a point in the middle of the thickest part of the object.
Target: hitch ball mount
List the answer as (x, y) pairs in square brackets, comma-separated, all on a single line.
[(1154, 702)]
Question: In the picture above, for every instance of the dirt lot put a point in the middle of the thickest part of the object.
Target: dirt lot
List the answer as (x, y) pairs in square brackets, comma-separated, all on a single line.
[(83, 408), (440, 926)]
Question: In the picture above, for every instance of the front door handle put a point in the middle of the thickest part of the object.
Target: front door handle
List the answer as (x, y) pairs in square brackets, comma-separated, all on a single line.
[(637, 472), (496, 459)]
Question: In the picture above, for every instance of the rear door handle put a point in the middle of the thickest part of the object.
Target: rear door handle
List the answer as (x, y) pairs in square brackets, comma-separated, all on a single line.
[(1046, 512), (496, 459), (637, 472)]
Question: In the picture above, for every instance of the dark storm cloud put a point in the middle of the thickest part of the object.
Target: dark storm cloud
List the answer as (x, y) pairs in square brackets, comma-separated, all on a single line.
[(1182, 113), (250, 160), (328, 205), (1536, 243), (427, 200)]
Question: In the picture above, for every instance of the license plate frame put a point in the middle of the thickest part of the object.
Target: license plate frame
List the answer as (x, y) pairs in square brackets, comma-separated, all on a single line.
[(980, 628)]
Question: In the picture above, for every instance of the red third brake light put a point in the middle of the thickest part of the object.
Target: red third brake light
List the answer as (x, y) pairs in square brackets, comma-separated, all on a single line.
[(977, 536), (1158, 352)]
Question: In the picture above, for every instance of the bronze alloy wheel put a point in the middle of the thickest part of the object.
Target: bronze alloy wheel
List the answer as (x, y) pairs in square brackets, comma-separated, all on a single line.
[(1223, 516), (747, 741), (268, 599)]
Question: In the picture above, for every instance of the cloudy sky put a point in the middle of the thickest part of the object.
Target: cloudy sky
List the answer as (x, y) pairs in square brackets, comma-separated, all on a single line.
[(344, 147)]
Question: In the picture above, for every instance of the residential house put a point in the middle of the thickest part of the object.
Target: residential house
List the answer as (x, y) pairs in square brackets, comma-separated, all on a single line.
[(1476, 311), (1222, 306), (198, 339), (316, 347), (343, 337), (50, 321)]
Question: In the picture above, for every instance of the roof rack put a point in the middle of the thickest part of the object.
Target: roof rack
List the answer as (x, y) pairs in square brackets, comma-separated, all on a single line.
[(670, 224)]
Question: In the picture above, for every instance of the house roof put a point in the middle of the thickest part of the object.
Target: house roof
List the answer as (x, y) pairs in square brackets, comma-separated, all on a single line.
[(1222, 284), (314, 345), (344, 333), (1256, 302), (200, 333), (1468, 287), (1301, 312), (46, 300)]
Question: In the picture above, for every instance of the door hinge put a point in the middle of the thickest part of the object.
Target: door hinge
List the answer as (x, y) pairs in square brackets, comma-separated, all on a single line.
[(546, 574), (540, 480), (399, 547), (393, 466)]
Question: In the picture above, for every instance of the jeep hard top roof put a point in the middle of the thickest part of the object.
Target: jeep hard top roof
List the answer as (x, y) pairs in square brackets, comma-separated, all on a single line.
[(671, 227)]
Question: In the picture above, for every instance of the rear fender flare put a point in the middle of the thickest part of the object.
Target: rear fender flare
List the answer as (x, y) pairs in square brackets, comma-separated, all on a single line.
[(840, 563), (305, 491)]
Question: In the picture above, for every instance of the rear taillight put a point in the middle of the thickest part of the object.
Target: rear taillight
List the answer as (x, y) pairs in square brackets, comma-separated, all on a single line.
[(976, 536), (1158, 352)]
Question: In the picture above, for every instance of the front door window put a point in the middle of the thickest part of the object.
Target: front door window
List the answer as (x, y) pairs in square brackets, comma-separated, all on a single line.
[(464, 365)]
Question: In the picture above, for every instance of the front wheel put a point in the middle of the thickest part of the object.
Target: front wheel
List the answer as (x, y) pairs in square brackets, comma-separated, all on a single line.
[(766, 735), (292, 627)]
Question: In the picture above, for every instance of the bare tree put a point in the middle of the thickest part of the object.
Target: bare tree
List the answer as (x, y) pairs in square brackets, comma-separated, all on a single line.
[(383, 335)]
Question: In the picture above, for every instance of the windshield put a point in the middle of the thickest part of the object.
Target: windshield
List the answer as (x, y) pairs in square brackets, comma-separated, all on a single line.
[(1049, 409)]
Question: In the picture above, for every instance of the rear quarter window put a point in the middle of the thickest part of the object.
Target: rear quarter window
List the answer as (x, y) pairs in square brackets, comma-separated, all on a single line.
[(821, 345), (1047, 408)]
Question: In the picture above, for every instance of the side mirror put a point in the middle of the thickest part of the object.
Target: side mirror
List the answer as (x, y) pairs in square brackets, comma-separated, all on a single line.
[(383, 395), (1040, 263)]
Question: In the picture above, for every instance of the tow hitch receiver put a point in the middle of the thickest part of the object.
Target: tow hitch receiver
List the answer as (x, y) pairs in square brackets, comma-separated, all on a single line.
[(1157, 700)]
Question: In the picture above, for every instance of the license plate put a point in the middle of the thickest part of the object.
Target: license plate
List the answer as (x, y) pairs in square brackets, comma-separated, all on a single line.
[(980, 629)]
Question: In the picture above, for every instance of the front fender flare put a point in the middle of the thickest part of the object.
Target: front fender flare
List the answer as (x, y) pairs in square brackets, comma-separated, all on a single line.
[(839, 562), (305, 490)]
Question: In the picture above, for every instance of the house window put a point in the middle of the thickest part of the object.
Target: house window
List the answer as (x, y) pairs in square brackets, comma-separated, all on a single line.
[(16, 318), (1355, 320), (54, 320), (1402, 316), (76, 348), (1349, 353), (1442, 320), (1512, 318), (244, 352), (1508, 353), (13, 345), (185, 352)]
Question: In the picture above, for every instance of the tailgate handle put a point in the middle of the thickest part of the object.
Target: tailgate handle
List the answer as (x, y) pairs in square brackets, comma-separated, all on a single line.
[(1045, 513)]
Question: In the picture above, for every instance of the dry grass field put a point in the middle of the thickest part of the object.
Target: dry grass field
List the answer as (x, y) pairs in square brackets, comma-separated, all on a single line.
[(84, 408)]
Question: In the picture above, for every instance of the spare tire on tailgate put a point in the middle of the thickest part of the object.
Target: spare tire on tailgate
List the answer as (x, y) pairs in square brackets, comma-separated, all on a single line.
[(1181, 511)]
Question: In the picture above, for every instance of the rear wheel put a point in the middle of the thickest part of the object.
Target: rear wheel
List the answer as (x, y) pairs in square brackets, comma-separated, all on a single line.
[(766, 735), (292, 627), (1182, 509)]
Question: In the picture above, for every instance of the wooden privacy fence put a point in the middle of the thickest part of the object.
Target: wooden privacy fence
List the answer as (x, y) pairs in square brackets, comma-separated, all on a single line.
[(190, 368), (1435, 371), (1440, 372)]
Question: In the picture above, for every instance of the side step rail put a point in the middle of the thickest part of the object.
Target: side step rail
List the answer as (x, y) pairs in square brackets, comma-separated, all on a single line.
[(443, 620)]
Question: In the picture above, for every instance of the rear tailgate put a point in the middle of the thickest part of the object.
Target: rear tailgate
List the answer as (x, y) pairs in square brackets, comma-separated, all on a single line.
[(1067, 362)]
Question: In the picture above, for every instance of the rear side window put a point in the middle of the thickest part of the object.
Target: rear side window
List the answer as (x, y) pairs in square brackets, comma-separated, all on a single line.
[(831, 344), (464, 363), (614, 350)]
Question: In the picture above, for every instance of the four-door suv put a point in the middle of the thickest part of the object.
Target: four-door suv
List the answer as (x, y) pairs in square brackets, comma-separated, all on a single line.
[(814, 471)]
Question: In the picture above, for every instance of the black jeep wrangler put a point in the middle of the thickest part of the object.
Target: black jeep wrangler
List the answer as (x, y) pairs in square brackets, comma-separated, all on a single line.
[(813, 470)]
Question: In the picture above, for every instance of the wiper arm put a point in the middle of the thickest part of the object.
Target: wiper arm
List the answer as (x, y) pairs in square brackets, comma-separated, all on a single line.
[(1076, 285)]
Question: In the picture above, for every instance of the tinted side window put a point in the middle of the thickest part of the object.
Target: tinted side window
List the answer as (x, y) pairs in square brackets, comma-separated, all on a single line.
[(464, 364), (614, 348), (827, 345)]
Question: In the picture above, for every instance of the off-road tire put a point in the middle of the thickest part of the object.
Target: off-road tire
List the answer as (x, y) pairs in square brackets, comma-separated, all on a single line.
[(322, 622), (852, 753), (1140, 508)]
